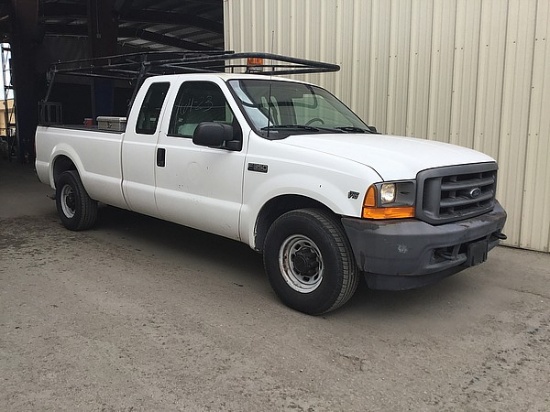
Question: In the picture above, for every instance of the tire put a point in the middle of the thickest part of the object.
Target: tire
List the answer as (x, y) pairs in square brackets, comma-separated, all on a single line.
[(76, 209), (309, 262)]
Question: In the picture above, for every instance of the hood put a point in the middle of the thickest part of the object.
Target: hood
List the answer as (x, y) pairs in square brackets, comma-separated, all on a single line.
[(392, 157)]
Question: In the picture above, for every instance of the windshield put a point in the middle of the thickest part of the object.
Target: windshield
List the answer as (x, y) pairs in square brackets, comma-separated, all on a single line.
[(277, 109)]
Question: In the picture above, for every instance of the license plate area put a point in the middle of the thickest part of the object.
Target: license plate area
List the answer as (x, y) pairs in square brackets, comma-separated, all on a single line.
[(477, 252)]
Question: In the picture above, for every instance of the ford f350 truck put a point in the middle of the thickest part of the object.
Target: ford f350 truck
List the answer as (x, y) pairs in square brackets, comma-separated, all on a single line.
[(285, 167)]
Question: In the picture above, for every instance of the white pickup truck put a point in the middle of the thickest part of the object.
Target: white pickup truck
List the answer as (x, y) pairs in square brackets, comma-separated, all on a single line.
[(288, 169)]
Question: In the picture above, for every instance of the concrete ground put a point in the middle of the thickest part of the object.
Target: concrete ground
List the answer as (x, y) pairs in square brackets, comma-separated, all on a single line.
[(143, 315)]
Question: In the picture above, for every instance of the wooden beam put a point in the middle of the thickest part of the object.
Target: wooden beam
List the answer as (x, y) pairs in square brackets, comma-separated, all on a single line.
[(128, 15)]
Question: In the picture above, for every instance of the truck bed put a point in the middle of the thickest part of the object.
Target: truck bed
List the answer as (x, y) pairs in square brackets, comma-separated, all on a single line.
[(95, 153)]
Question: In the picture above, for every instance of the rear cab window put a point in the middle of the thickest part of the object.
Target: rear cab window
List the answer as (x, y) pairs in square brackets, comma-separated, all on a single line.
[(149, 112)]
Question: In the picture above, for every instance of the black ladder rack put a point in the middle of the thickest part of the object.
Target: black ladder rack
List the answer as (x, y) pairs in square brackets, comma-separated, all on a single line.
[(132, 66), (135, 67)]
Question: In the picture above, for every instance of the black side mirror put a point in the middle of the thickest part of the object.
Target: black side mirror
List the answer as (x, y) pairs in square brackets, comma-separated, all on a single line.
[(218, 135)]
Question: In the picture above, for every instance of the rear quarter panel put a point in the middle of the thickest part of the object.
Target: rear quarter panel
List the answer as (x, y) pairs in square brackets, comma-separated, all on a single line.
[(96, 155)]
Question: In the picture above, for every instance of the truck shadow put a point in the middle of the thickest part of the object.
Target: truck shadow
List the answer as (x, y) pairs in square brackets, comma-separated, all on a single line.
[(150, 235), (158, 235), (429, 299)]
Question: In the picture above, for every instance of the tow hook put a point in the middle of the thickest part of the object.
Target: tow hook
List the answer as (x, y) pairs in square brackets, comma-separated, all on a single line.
[(500, 236)]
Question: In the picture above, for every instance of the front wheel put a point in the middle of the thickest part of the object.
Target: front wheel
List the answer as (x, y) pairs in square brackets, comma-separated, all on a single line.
[(309, 262), (76, 209)]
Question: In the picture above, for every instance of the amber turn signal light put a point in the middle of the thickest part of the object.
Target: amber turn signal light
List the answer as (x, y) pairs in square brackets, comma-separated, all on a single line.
[(388, 212)]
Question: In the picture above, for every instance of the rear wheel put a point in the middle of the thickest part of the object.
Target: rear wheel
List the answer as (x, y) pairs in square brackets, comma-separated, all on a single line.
[(309, 262), (76, 209)]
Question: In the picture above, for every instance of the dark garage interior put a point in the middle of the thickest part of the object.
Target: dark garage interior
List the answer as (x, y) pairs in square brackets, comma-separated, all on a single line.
[(37, 33)]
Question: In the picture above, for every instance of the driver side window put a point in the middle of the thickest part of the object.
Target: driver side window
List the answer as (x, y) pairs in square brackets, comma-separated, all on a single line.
[(195, 103)]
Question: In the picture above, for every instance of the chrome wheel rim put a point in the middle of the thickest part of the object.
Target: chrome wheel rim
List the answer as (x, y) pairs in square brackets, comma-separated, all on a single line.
[(68, 201), (301, 263)]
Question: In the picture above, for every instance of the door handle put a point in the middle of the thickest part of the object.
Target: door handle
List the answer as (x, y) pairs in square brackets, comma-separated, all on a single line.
[(161, 157)]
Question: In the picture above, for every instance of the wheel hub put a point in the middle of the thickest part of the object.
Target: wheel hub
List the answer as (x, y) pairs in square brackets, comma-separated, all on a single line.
[(305, 261), (70, 201), (301, 263)]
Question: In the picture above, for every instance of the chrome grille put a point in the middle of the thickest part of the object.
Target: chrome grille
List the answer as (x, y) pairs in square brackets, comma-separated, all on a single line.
[(457, 192)]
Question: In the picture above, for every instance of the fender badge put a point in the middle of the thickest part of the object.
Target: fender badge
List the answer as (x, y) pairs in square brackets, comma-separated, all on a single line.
[(255, 167), (353, 195)]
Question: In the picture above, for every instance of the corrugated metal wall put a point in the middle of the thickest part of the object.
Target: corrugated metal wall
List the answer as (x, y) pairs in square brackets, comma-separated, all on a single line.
[(470, 72)]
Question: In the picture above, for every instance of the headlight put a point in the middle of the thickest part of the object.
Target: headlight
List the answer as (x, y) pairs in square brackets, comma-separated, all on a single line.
[(390, 200), (387, 193)]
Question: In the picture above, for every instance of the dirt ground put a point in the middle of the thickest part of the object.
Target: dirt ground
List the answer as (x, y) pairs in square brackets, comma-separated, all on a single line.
[(142, 315)]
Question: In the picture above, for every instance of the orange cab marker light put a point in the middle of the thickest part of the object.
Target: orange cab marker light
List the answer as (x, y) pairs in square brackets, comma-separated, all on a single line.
[(254, 61)]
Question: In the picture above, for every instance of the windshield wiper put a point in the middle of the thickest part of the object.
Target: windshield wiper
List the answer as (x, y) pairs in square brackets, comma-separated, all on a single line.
[(291, 127), (353, 129), (301, 127)]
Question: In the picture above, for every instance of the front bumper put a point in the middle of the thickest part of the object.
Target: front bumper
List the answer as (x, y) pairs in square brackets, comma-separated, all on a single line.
[(409, 253)]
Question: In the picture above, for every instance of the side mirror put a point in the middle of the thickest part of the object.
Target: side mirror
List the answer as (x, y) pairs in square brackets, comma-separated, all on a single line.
[(217, 135)]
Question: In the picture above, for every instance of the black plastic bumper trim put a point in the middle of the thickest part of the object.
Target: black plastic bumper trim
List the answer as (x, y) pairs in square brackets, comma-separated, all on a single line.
[(409, 253)]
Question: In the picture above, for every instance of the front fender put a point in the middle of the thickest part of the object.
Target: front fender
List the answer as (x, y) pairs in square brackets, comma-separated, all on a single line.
[(338, 191)]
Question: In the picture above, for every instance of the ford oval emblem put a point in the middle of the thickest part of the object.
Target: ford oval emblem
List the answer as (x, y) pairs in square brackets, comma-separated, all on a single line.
[(475, 192)]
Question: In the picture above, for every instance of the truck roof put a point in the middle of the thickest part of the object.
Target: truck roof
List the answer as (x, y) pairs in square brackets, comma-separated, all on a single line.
[(224, 76)]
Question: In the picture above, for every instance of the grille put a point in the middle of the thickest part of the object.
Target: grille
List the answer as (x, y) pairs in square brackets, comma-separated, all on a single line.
[(454, 193)]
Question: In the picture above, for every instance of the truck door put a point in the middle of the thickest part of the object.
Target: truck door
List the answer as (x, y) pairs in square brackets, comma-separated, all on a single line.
[(198, 186), (139, 149)]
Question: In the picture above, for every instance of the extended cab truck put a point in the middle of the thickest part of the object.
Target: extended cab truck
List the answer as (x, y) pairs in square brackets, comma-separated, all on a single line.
[(286, 168)]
